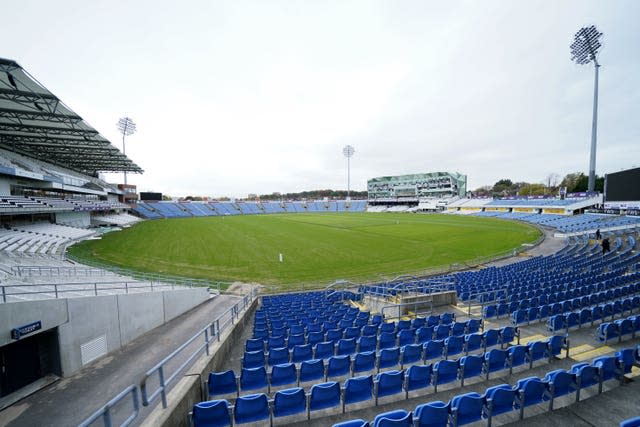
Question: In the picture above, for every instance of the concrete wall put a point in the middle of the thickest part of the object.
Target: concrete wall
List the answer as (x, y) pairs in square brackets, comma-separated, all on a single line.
[(118, 318), (51, 313), (89, 318), (74, 219), (177, 302), (139, 313)]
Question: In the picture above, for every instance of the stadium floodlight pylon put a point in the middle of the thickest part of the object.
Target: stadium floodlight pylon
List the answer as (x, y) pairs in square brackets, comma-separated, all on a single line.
[(584, 50), (348, 152), (127, 127)]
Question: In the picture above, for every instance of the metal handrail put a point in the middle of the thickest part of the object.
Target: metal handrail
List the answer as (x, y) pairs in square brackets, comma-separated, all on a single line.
[(210, 331), (105, 411), (58, 290)]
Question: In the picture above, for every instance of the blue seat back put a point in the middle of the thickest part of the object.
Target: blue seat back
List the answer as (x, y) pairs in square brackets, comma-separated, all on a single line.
[(212, 413), (289, 402), (222, 383), (358, 389), (311, 370), (325, 395), (251, 408), (338, 366)]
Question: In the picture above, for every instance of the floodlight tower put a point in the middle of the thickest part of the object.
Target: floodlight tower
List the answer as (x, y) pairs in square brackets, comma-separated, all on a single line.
[(584, 49), (348, 152), (126, 127)]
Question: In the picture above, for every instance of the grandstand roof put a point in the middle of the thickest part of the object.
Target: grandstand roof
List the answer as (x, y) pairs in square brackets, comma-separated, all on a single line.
[(35, 123)]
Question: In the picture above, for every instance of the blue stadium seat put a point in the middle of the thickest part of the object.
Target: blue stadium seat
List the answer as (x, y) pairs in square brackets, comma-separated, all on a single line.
[(495, 360), (253, 359), (367, 343), (389, 358), (251, 408), (472, 342), (311, 370), (254, 344), (560, 383), (517, 356), (301, 353), (389, 383), (278, 356), (212, 413), (324, 350), (387, 339), (585, 376), (411, 353), (498, 400), (284, 374), (364, 362), (397, 418), (406, 336), (357, 389), (323, 396), (290, 401), (424, 334), (444, 371), (221, 383), (531, 391), (432, 414), (470, 366), (466, 408), (346, 346), (417, 378), (253, 379), (338, 366), (433, 349), (453, 345)]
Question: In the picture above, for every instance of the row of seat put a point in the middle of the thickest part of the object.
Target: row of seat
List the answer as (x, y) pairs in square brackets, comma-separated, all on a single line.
[(471, 407), (426, 347), (368, 333), (372, 326), (462, 409), (598, 310), (583, 317), (618, 329), (222, 383), (546, 308)]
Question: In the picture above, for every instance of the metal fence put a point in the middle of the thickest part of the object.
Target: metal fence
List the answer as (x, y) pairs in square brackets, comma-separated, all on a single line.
[(169, 369), (24, 291)]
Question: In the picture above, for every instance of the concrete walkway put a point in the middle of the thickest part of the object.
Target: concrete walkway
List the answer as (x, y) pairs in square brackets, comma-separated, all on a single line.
[(69, 401)]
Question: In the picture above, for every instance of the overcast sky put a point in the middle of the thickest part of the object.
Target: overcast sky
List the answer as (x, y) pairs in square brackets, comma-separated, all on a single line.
[(238, 97)]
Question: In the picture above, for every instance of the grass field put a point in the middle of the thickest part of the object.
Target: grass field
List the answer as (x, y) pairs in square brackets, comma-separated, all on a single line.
[(317, 248)]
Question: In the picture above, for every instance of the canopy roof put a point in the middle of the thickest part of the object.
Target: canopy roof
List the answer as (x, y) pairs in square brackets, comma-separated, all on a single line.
[(35, 123)]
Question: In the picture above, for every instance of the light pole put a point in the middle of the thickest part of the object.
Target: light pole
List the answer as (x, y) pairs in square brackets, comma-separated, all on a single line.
[(348, 152), (126, 127), (584, 49)]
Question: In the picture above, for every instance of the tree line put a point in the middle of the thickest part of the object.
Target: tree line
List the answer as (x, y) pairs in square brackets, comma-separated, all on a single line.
[(574, 182)]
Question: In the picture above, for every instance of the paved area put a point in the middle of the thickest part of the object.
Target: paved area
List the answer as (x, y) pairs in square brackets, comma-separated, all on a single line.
[(69, 401)]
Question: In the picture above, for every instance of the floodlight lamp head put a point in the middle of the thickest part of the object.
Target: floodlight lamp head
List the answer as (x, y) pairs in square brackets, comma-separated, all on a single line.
[(348, 151), (585, 46), (126, 126)]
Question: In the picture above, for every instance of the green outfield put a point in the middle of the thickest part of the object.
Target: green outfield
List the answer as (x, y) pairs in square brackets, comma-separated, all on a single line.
[(316, 248)]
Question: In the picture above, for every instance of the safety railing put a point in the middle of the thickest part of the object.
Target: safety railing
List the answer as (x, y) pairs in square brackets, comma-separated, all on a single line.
[(205, 336), (209, 333), (23, 291), (105, 411)]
